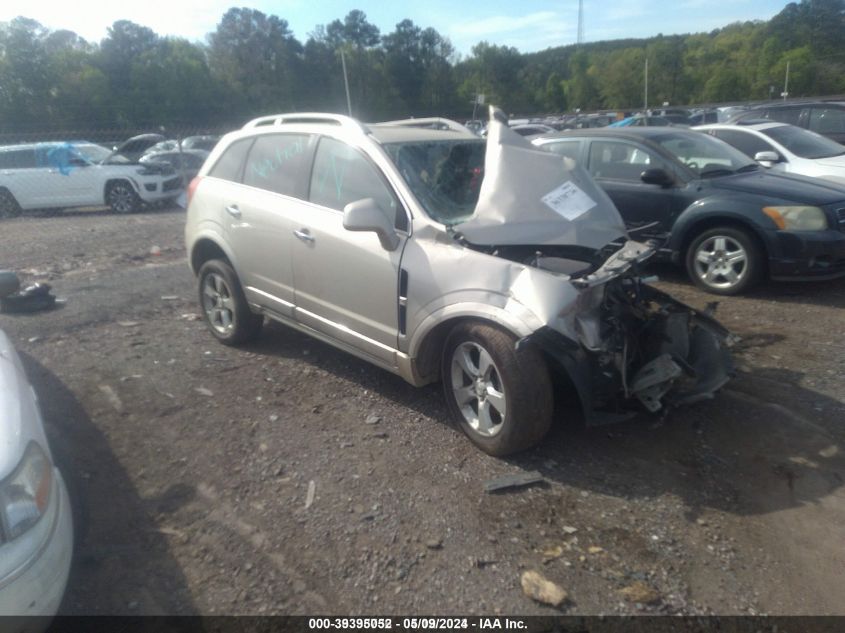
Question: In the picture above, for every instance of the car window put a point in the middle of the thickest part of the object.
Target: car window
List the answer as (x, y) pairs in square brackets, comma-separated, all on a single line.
[(745, 142), (805, 143), (570, 149), (275, 163), (230, 166), (827, 121), (17, 159), (621, 161), (784, 115), (342, 174)]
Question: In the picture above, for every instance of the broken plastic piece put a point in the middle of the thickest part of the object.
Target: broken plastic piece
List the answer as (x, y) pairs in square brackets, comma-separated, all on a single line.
[(9, 283), (513, 481)]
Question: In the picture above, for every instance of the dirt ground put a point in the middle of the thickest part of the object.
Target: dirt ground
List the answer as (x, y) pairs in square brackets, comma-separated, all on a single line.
[(194, 464)]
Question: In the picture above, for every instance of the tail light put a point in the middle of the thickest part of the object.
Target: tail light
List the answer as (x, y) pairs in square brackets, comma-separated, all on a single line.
[(192, 187)]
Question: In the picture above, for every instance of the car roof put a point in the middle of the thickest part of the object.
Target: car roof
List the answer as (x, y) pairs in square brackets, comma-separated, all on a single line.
[(399, 134), (759, 126), (630, 133)]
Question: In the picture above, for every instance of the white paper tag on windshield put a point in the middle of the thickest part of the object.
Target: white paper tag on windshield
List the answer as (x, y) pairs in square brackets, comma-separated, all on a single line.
[(569, 201)]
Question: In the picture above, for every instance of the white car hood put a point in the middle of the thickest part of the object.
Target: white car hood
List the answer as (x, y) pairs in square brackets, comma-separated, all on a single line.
[(19, 417), (533, 197)]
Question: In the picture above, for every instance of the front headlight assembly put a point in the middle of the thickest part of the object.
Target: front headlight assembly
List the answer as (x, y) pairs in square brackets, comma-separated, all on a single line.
[(25, 494), (797, 218)]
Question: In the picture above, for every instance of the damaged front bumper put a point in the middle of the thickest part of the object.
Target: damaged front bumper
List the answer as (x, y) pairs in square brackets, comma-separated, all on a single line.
[(639, 349)]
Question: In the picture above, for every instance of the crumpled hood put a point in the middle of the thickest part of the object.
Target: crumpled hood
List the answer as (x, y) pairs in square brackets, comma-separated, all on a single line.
[(530, 196)]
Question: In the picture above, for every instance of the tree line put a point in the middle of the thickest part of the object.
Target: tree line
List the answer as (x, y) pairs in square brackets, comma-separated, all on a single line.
[(252, 64)]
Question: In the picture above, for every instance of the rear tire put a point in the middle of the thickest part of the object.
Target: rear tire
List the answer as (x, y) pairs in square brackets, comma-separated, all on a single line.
[(724, 261), (224, 306), (9, 207), (499, 396), (121, 197)]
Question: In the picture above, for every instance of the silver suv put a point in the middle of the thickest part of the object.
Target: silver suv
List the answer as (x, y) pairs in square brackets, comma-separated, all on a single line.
[(500, 269)]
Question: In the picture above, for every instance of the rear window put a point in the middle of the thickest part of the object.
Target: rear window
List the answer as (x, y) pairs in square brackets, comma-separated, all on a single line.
[(275, 163), (17, 159), (230, 166)]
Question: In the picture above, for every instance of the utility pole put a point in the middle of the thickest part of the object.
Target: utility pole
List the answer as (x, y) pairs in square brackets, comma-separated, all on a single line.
[(346, 82), (580, 22), (645, 105), (785, 92)]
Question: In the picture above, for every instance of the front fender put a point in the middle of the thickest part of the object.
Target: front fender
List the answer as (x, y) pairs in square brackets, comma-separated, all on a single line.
[(737, 209)]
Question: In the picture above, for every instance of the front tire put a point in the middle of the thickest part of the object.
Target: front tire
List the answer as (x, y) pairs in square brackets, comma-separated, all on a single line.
[(724, 261), (121, 197), (224, 307), (9, 207), (500, 397)]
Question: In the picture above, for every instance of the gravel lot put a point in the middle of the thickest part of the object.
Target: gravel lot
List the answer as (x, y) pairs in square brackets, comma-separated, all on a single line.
[(290, 478)]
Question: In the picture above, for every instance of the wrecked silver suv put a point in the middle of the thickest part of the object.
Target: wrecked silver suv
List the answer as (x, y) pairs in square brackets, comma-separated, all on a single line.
[(494, 267)]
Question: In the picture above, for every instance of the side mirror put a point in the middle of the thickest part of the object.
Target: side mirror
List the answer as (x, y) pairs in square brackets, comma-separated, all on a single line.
[(767, 158), (657, 177), (367, 215)]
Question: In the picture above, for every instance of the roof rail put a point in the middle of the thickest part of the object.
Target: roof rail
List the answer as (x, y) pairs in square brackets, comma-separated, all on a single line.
[(306, 117), (437, 123)]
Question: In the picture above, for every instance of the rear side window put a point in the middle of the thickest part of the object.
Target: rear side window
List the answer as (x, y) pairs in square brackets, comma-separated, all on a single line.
[(570, 149), (230, 166), (17, 159), (342, 175), (827, 120), (748, 144), (275, 163)]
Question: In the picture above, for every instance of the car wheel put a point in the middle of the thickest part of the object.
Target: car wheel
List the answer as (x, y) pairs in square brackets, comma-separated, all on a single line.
[(224, 306), (724, 261), (500, 397), (121, 197), (9, 207)]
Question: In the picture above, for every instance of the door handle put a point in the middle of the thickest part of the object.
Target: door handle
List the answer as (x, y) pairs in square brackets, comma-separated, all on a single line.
[(233, 210), (304, 235)]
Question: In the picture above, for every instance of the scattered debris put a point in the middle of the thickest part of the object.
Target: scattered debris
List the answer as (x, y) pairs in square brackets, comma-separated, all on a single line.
[(132, 377), (434, 543), (640, 592), (309, 496), (568, 529), (112, 397), (595, 549), (513, 481), (372, 419), (552, 553), (155, 250), (33, 339), (274, 418), (204, 392), (190, 316), (539, 588), (33, 298), (128, 323), (170, 298)]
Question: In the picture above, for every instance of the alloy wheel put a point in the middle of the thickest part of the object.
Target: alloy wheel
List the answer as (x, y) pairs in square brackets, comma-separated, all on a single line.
[(217, 303), (478, 389), (721, 262)]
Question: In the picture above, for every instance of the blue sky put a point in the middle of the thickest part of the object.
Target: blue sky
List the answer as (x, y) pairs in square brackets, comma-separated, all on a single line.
[(529, 25)]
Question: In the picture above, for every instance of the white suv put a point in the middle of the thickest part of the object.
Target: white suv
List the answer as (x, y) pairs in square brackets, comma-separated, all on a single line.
[(79, 174), (498, 268)]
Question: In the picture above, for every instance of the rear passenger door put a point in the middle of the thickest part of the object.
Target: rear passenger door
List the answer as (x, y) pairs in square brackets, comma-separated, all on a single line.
[(347, 285), (258, 212)]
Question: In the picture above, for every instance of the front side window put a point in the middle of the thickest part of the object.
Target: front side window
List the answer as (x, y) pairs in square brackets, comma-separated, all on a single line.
[(621, 161), (706, 156), (275, 163), (342, 174)]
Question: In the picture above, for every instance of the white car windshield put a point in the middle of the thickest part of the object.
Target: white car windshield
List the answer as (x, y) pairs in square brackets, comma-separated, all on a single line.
[(92, 153), (804, 143)]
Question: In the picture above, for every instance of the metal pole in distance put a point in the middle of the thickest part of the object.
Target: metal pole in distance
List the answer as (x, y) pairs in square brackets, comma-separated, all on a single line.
[(346, 83), (645, 105), (786, 82)]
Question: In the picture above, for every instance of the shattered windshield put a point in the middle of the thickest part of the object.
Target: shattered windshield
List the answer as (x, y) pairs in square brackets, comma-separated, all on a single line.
[(445, 176), (706, 156)]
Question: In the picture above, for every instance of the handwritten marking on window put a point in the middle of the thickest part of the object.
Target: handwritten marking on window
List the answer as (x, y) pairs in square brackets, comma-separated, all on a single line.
[(266, 167)]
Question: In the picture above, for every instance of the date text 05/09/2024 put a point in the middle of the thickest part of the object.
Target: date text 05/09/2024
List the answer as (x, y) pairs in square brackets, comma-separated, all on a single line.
[(417, 624)]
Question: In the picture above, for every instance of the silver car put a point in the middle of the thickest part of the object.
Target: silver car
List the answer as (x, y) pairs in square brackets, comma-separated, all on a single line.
[(499, 269)]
